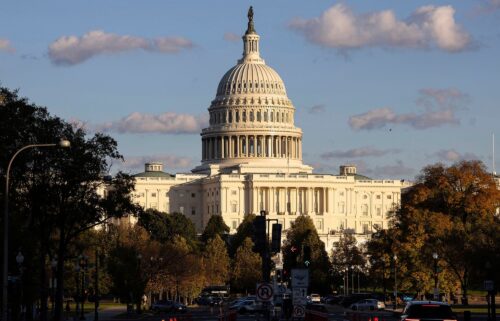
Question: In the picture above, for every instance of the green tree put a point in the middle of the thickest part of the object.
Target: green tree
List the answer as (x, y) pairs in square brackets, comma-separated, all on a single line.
[(216, 262), (347, 255), (245, 229), (215, 226), (247, 269), (165, 227), (55, 191), (300, 236)]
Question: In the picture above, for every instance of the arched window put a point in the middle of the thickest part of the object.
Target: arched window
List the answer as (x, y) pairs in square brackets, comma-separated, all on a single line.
[(251, 116), (237, 116), (230, 120), (265, 115), (258, 116)]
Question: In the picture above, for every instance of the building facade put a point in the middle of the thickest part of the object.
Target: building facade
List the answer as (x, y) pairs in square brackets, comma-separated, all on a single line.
[(251, 160)]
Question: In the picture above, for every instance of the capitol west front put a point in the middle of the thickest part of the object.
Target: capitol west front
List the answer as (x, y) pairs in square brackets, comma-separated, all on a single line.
[(252, 161)]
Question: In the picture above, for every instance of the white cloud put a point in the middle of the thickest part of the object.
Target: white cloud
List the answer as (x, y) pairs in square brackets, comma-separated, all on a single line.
[(451, 155), (136, 163), (358, 153), (427, 27), (440, 106), (71, 50), (232, 37), (316, 109), (166, 123), (6, 46)]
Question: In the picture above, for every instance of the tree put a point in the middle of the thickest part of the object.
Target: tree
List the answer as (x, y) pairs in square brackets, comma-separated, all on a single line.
[(215, 226), (246, 268), (451, 209), (303, 235), (165, 227), (56, 192), (245, 229), (216, 262), (347, 255)]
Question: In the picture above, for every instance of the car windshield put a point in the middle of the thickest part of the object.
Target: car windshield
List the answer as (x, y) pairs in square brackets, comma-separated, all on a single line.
[(430, 310)]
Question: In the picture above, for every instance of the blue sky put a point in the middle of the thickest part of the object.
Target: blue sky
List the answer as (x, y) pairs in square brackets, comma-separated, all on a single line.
[(388, 85)]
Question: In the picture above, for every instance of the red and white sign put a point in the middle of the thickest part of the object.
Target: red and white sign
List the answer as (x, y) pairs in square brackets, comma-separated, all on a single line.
[(299, 311), (264, 292)]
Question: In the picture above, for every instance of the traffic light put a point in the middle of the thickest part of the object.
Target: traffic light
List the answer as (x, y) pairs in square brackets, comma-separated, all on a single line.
[(276, 238), (259, 235), (307, 255)]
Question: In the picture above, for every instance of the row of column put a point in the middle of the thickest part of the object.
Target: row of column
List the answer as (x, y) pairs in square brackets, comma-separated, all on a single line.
[(310, 200), (221, 147), (244, 116)]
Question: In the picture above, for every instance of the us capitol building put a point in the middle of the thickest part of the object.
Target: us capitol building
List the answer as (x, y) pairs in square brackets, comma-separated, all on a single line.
[(251, 160)]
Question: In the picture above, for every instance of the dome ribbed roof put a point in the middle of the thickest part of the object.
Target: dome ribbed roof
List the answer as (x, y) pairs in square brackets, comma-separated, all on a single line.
[(247, 78)]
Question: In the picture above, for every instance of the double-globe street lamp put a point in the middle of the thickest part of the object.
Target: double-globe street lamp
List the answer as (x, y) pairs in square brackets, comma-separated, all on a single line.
[(64, 144)]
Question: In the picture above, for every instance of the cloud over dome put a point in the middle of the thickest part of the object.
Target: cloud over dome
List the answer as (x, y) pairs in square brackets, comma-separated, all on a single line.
[(72, 50), (427, 27), (439, 108), (166, 123)]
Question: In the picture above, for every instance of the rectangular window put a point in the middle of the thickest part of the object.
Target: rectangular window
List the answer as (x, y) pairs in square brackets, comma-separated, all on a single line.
[(379, 211), (389, 197), (233, 192), (234, 208), (235, 224), (153, 194), (193, 210), (378, 197), (366, 229), (193, 195), (319, 225)]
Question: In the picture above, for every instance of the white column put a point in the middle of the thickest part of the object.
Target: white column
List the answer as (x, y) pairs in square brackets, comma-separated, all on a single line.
[(222, 140)]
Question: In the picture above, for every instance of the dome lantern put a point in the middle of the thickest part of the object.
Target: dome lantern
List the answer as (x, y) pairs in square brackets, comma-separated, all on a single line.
[(251, 43)]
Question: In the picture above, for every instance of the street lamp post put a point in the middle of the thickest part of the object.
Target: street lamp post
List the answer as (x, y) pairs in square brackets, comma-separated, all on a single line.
[(83, 265), (53, 284), (64, 144), (436, 290), (395, 282), (20, 260)]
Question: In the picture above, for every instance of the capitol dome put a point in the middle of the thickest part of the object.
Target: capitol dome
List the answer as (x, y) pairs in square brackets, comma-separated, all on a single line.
[(251, 126), (245, 78)]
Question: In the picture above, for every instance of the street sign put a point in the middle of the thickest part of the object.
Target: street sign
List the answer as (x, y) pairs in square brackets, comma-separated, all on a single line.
[(299, 296), (264, 292), (300, 278), (299, 311)]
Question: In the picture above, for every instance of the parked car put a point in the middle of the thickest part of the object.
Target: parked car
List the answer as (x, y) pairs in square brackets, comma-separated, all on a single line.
[(163, 306), (368, 304), (315, 298), (179, 307), (428, 310), (216, 301), (246, 306)]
